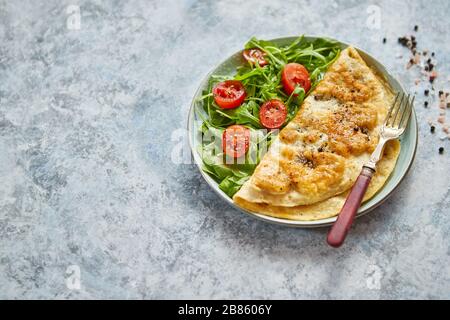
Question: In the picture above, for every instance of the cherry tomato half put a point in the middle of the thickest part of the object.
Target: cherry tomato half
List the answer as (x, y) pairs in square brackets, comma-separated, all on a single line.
[(255, 55), (272, 114), (229, 94), (294, 74), (236, 141)]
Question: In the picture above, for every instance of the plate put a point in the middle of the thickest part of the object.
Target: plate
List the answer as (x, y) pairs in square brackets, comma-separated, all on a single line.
[(408, 140)]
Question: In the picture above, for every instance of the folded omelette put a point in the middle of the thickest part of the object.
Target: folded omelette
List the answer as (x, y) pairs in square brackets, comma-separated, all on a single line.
[(312, 164)]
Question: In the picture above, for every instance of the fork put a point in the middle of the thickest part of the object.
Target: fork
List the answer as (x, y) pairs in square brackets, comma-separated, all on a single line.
[(395, 124)]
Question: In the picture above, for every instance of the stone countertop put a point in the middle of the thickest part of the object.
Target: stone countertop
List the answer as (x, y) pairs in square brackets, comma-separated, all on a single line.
[(92, 205)]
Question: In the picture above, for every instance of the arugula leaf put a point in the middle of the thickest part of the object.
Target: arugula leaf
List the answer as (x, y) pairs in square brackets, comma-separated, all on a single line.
[(230, 185)]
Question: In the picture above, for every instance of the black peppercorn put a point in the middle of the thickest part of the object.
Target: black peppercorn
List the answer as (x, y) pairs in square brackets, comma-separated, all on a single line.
[(416, 28), (432, 128), (403, 41), (384, 40), (426, 92), (441, 93), (432, 54), (441, 150), (425, 104)]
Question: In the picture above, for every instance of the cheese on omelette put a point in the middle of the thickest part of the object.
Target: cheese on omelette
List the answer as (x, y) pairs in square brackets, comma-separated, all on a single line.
[(310, 167)]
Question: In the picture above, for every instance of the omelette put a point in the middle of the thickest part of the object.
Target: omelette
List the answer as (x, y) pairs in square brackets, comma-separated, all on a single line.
[(313, 163)]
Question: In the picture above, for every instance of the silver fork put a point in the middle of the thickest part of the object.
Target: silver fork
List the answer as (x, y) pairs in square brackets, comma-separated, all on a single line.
[(395, 124)]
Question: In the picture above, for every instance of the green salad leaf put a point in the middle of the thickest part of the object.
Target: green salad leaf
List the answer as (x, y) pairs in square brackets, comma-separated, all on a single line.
[(261, 84)]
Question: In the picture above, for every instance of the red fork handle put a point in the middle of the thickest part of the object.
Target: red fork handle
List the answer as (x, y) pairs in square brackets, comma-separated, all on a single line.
[(340, 228)]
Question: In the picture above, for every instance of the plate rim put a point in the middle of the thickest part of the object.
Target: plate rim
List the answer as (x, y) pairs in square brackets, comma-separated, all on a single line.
[(296, 223)]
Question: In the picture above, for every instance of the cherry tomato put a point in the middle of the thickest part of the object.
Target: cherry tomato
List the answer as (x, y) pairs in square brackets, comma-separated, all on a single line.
[(272, 114), (229, 94), (236, 141), (255, 55), (294, 74)]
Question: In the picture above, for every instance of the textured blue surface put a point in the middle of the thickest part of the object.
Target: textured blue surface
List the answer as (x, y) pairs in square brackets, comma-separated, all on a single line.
[(86, 158)]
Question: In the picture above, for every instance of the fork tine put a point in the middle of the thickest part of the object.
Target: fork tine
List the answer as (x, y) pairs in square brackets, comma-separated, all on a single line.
[(401, 110), (394, 117), (408, 110), (391, 108)]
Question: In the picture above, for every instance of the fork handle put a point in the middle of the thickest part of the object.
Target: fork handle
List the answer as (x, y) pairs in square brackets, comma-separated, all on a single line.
[(339, 230)]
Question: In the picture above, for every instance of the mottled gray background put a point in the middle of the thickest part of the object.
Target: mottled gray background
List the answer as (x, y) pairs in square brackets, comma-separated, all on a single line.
[(86, 176)]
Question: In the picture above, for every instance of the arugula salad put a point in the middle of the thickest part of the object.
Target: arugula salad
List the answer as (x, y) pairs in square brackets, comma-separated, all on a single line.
[(241, 114)]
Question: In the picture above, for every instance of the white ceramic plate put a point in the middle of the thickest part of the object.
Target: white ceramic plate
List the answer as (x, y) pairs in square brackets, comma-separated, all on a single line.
[(408, 140)]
